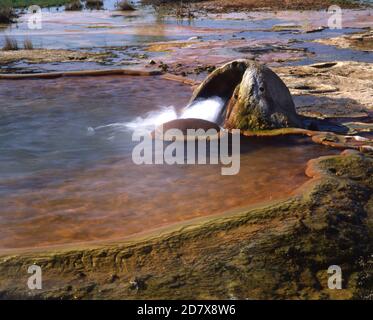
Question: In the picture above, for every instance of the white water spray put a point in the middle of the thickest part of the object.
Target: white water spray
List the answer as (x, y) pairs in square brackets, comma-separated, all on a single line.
[(153, 119), (207, 109)]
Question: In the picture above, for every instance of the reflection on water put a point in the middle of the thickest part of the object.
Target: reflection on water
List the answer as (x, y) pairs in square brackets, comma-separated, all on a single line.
[(66, 172), (98, 28)]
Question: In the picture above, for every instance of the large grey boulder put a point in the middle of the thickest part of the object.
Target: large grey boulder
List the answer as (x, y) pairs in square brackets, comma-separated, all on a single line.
[(256, 98)]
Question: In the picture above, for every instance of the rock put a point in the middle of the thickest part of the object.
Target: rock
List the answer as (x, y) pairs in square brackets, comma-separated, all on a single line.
[(316, 29), (348, 152), (222, 82), (183, 125), (163, 66), (194, 38), (139, 283), (112, 278), (366, 148), (360, 41), (286, 28), (334, 94), (257, 99)]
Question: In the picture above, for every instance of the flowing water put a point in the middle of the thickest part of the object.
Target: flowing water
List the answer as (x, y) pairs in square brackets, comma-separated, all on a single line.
[(67, 175), (207, 109)]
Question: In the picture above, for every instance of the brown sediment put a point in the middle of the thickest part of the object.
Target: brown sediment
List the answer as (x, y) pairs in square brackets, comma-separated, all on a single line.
[(50, 56), (83, 73), (281, 250), (170, 45), (114, 203)]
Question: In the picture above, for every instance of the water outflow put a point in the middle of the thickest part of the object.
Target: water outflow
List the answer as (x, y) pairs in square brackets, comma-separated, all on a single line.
[(210, 109)]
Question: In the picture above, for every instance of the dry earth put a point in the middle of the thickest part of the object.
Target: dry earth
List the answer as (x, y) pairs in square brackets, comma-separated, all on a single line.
[(48, 56), (333, 89), (358, 41)]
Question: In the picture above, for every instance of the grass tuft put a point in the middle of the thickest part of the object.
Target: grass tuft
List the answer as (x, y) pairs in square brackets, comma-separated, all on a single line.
[(10, 44), (27, 44)]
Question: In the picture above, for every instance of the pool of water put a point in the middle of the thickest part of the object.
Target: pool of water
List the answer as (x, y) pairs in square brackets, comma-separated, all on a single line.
[(66, 171), (67, 175)]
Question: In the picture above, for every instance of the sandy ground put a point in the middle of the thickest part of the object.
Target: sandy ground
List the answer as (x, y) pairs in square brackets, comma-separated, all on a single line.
[(360, 41), (334, 89), (48, 56)]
